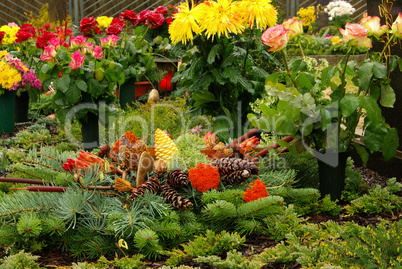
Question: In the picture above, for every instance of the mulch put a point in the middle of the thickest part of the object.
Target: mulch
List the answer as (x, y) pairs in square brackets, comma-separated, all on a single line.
[(55, 258)]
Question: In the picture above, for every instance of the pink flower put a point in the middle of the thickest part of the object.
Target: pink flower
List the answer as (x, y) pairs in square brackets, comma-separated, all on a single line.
[(294, 26), (275, 37), (355, 35), (78, 41), (397, 26), (55, 42), (12, 24), (373, 25), (77, 60), (48, 53), (97, 52), (109, 41)]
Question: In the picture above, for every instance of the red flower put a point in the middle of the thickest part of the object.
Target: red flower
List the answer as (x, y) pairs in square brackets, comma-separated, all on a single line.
[(143, 15), (2, 36), (47, 26), (169, 20), (25, 32), (204, 177), (89, 27), (165, 84), (257, 191), (129, 15), (42, 39), (154, 19), (116, 26), (249, 144), (162, 10)]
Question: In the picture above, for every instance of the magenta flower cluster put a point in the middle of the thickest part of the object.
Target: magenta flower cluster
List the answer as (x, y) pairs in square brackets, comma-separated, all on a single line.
[(28, 77)]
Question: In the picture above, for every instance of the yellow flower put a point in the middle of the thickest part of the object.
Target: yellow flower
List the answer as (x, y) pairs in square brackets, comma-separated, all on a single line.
[(258, 12), (184, 24), (335, 40), (218, 18), (10, 32), (104, 21), (3, 53), (8, 76), (307, 15)]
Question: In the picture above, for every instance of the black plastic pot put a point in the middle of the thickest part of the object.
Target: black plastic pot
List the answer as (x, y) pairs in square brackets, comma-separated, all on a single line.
[(90, 131), (127, 93), (21, 107), (331, 170)]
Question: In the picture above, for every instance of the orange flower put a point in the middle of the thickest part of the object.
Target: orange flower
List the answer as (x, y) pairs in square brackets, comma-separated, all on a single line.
[(204, 177), (131, 137), (257, 191), (249, 144)]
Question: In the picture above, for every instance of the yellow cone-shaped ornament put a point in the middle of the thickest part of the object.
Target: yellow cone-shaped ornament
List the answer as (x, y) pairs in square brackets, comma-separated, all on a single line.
[(164, 146)]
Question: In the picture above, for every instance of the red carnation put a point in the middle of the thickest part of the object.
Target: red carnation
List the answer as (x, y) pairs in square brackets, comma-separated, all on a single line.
[(89, 27), (2, 36), (28, 28), (42, 39), (162, 10), (155, 20), (25, 32)]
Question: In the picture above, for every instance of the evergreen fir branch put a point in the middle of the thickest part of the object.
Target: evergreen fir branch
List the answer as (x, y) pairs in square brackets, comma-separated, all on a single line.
[(260, 208), (273, 178), (21, 202), (247, 227), (234, 259), (29, 225), (234, 196), (153, 204), (219, 210), (187, 217), (53, 226), (8, 235), (147, 241), (166, 229)]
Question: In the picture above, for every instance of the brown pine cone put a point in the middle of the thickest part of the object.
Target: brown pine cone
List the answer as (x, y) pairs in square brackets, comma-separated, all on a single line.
[(153, 185), (177, 178), (173, 198), (237, 177), (159, 167), (139, 147)]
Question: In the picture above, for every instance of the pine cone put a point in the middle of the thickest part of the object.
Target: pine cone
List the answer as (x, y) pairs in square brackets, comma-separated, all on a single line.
[(164, 146), (173, 198), (139, 147), (153, 185), (177, 178), (159, 167), (237, 177), (229, 165), (225, 166)]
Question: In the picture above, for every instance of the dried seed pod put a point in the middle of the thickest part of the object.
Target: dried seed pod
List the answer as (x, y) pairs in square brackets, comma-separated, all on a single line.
[(173, 198), (164, 146), (159, 167), (145, 165), (122, 185)]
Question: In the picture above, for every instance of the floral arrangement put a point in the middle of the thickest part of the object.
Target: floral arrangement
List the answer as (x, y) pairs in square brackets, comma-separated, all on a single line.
[(330, 124), (204, 177), (8, 33), (81, 72), (307, 15), (15, 75), (256, 191), (339, 12)]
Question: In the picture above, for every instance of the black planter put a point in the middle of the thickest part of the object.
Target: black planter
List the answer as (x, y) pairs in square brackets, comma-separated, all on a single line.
[(21, 107), (331, 170), (90, 131), (127, 93)]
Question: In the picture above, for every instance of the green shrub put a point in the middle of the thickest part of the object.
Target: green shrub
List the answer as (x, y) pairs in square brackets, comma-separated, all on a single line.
[(21, 260)]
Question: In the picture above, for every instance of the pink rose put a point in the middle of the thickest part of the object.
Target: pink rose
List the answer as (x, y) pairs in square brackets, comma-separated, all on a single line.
[(77, 60), (373, 25), (294, 26), (109, 41), (48, 53), (78, 41), (397, 26), (97, 52), (276, 37), (355, 35)]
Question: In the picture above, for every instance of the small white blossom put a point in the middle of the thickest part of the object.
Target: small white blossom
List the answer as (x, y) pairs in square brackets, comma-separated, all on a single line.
[(339, 8)]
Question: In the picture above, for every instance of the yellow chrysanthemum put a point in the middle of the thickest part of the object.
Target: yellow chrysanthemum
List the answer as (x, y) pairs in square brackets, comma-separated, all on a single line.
[(3, 54), (104, 21), (8, 76), (258, 12), (218, 18), (10, 32), (184, 26), (307, 15)]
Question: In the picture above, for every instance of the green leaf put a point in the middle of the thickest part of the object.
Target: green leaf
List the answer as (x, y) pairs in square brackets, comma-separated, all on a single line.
[(387, 96), (273, 78), (325, 119), (379, 70), (327, 74), (390, 144), (304, 80), (82, 85), (202, 97), (227, 112), (282, 143), (362, 152), (73, 95), (365, 73), (213, 53), (63, 55), (348, 104), (267, 111), (372, 109), (375, 92), (350, 67), (393, 63), (111, 75), (63, 83), (374, 137), (94, 87), (259, 72), (47, 67)]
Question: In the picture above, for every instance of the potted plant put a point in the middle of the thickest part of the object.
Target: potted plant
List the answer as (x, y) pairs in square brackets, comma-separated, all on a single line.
[(14, 76), (327, 124), (83, 76)]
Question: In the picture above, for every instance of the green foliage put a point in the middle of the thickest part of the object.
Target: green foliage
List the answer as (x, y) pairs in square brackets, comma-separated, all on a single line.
[(190, 146), (21, 260), (147, 241), (378, 200), (209, 244), (233, 260), (29, 225), (128, 263)]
